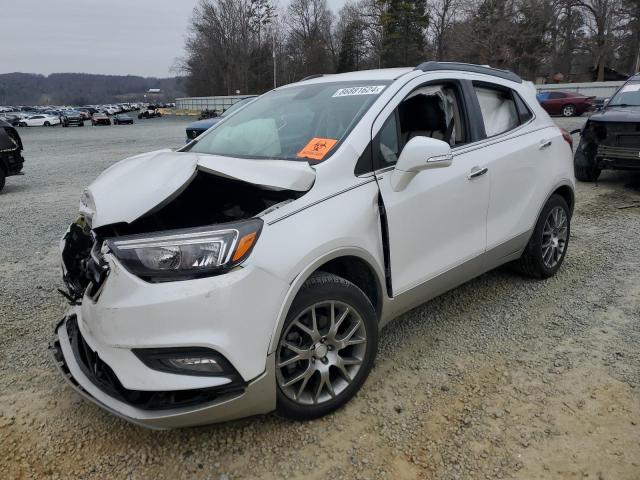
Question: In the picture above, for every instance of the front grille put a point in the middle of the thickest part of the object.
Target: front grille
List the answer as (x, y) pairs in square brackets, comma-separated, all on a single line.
[(626, 153), (103, 377)]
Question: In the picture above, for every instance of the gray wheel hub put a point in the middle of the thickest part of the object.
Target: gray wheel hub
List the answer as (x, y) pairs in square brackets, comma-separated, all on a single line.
[(554, 237), (321, 352)]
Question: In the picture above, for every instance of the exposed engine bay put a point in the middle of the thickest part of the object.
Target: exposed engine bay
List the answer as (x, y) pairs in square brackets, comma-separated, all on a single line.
[(207, 200)]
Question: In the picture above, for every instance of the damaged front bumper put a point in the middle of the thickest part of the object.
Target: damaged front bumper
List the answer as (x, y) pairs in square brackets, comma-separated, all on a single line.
[(118, 315), (254, 398), (609, 146)]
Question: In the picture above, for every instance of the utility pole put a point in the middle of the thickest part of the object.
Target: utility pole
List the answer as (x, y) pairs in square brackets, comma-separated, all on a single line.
[(272, 18)]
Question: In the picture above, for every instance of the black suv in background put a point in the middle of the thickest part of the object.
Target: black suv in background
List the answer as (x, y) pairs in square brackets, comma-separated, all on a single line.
[(611, 137), (11, 160)]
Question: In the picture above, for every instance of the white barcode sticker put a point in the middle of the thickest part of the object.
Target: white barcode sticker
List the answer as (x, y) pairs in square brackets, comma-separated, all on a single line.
[(366, 90)]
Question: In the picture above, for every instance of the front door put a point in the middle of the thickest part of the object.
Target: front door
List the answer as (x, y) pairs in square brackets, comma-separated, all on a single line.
[(438, 222)]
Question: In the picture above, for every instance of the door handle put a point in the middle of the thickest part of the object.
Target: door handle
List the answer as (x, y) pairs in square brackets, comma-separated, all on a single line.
[(544, 144), (477, 172)]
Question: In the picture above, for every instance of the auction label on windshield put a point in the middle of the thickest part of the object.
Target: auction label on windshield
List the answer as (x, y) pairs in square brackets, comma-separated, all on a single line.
[(317, 148), (367, 90)]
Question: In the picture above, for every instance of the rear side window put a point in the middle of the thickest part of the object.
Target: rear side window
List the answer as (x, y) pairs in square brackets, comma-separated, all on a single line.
[(499, 111)]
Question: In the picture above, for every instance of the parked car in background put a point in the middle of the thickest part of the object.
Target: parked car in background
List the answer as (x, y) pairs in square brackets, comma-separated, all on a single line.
[(43, 120), (12, 119), (122, 119), (611, 137), (72, 117), (100, 118), (252, 270), (11, 160), (567, 104), (197, 128), (151, 111)]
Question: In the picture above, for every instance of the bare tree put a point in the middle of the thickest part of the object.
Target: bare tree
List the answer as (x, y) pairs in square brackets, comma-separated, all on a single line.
[(310, 44), (442, 13), (602, 17)]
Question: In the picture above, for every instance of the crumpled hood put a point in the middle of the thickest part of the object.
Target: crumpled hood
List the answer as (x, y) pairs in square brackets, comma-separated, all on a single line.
[(133, 187)]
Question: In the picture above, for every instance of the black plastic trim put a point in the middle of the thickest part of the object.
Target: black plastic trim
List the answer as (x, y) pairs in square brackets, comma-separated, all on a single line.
[(154, 359), (386, 251), (432, 66)]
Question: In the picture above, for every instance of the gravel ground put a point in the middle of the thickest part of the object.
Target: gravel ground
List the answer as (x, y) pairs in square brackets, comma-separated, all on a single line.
[(503, 377)]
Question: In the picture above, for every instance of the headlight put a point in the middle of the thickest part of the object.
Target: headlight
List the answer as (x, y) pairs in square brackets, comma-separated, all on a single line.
[(188, 253)]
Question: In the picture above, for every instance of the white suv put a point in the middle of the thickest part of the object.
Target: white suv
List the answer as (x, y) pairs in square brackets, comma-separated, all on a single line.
[(252, 270)]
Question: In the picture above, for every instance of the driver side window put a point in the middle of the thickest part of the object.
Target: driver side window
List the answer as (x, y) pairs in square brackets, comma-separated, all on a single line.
[(429, 111)]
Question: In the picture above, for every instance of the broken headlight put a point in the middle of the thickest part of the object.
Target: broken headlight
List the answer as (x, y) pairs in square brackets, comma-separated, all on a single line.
[(188, 253), (87, 206)]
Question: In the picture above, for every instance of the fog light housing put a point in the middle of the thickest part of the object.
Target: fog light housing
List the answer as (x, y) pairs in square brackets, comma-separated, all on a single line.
[(187, 361)]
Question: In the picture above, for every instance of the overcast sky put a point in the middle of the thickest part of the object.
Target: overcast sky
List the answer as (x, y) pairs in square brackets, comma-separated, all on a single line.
[(138, 37)]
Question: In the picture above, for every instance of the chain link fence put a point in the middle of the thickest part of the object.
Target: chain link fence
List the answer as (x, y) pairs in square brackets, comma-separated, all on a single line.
[(197, 104)]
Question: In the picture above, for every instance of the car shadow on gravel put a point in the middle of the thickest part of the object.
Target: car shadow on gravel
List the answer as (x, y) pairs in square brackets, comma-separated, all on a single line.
[(10, 188)]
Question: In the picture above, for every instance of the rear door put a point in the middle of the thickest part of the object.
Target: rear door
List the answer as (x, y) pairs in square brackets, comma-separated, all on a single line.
[(438, 222), (516, 156)]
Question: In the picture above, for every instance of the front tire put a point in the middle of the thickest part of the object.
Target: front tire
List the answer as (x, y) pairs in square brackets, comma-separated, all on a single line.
[(326, 349), (548, 244), (2, 179), (47, 124)]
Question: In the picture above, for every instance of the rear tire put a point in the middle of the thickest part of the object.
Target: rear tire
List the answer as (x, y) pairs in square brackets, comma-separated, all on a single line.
[(2, 179), (568, 110), (332, 331), (587, 174), (548, 244)]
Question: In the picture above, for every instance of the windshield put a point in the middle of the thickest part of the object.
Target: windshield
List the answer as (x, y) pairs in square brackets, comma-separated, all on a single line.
[(629, 95), (297, 123)]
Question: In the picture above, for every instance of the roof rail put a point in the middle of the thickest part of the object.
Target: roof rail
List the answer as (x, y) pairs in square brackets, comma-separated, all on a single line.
[(433, 66), (317, 75)]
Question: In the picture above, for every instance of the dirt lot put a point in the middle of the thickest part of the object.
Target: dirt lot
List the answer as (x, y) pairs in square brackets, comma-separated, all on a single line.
[(502, 378)]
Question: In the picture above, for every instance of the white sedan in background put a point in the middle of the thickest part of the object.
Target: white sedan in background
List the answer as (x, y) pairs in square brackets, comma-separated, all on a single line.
[(40, 121)]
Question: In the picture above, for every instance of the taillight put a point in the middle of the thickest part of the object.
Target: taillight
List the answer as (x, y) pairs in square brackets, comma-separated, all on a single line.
[(567, 137)]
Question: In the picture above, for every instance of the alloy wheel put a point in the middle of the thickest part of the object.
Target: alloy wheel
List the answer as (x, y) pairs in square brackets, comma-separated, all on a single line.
[(554, 237), (568, 110), (321, 352)]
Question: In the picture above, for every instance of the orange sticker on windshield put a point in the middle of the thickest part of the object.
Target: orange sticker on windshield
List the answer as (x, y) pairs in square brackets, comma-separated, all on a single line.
[(317, 148)]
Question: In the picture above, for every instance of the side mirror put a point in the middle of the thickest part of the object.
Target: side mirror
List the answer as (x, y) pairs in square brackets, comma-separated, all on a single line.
[(420, 153)]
